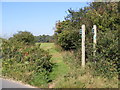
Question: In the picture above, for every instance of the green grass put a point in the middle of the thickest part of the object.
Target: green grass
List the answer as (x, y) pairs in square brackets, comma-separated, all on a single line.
[(60, 68)]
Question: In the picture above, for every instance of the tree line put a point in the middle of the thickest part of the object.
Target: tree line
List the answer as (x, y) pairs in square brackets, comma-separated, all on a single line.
[(44, 38)]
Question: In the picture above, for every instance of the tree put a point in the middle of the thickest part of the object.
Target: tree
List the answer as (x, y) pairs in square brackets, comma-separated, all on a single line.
[(25, 37)]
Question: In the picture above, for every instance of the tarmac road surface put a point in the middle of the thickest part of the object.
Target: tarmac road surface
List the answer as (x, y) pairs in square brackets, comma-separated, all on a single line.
[(6, 83)]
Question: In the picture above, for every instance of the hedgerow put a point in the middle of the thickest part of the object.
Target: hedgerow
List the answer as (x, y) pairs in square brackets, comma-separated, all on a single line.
[(25, 62), (106, 17)]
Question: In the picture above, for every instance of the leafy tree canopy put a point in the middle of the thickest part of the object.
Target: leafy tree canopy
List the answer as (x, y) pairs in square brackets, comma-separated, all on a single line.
[(25, 37)]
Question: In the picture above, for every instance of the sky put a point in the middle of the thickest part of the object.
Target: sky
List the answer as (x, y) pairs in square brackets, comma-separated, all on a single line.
[(0, 18), (36, 17)]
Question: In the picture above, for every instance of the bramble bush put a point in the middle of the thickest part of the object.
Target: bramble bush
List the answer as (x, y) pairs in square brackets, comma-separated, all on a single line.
[(25, 62)]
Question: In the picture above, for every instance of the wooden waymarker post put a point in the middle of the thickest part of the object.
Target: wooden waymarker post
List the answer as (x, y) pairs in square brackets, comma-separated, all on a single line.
[(83, 45), (94, 38)]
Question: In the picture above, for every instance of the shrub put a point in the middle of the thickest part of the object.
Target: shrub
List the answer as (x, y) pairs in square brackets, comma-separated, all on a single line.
[(107, 56), (69, 39)]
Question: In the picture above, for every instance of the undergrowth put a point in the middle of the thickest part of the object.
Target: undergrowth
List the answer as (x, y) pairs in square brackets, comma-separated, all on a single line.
[(78, 77)]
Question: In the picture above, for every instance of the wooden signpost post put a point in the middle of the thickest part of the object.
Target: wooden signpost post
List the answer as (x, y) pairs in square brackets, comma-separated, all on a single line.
[(82, 31), (83, 45), (94, 39)]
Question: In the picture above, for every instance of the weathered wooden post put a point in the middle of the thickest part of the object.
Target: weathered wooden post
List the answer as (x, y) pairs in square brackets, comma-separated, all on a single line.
[(83, 45), (94, 39)]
